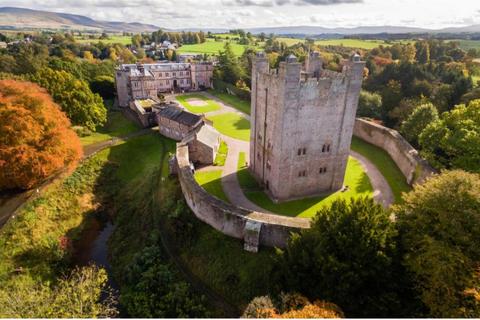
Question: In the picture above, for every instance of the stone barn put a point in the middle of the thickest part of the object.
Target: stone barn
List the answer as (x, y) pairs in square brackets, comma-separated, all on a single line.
[(203, 145), (176, 123)]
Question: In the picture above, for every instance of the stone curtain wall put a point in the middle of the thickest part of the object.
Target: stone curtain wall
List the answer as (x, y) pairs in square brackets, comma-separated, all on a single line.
[(414, 168), (274, 230)]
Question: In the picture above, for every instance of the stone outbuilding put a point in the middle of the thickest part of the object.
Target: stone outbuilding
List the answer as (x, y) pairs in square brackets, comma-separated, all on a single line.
[(203, 145), (176, 123)]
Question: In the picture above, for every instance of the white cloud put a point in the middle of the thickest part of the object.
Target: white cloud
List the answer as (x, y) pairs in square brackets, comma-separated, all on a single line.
[(260, 13)]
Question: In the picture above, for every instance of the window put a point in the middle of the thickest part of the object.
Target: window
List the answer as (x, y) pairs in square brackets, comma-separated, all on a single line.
[(322, 170), (259, 137), (269, 166), (302, 173), (302, 151), (326, 148), (258, 155), (174, 74)]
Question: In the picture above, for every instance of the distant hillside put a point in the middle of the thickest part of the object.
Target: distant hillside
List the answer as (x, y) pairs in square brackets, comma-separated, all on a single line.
[(20, 18)]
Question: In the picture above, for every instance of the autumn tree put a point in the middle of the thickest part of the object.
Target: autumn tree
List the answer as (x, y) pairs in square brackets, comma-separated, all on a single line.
[(83, 107), (289, 306), (440, 231), (35, 136)]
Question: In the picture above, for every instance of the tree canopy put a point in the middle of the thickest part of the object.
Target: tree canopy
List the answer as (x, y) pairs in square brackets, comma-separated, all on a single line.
[(417, 121), (347, 256), (35, 136), (440, 231), (83, 107), (453, 141)]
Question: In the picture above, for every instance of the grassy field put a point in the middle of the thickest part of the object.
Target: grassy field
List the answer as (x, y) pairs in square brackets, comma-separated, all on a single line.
[(232, 125), (221, 154), (385, 164), (125, 40), (233, 101), (355, 178), (211, 47), (467, 44), (117, 125), (351, 43), (186, 99), (212, 183)]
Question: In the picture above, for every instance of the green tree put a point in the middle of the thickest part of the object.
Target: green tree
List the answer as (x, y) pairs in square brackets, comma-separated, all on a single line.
[(104, 86), (453, 141), (440, 231), (347, 256), (74, 96), (417, 121), (83, 294), (369, 105), (229, 66)]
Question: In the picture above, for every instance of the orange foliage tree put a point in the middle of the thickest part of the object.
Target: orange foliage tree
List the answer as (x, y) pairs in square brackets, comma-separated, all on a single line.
[(35, 136)]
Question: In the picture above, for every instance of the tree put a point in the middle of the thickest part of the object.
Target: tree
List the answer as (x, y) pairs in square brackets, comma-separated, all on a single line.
[(229, 66), (417, 121), (35, 136), (369, 105), (291, 306), (82, 294), (453, 141), (104, 86), (440, 231), (83, 107), (347, 256)]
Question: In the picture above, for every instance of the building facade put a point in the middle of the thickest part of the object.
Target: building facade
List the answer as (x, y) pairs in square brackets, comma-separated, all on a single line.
[(142, 81), (302, 124)]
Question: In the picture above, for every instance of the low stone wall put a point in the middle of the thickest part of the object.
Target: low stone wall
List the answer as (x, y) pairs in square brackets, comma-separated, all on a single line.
[(255, 228), (414, 168)]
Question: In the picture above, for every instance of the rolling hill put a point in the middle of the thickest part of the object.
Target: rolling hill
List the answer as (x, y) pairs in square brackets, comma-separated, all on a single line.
[(21, 18)]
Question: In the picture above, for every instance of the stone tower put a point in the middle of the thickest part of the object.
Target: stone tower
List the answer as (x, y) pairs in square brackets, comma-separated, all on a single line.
[(301, 125)]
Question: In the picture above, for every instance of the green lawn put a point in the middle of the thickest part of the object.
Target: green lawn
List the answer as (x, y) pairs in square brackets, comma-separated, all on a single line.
[(233, 101), (125, 40), (221, 154), (467, 44), (212, 47), (382, 160), (355, 178), (232, 125), (186, 99), (117, 125), (211, 181), (351, 43)]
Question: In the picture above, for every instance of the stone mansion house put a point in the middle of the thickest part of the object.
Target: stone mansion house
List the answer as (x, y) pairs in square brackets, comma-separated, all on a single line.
[(141, 81)]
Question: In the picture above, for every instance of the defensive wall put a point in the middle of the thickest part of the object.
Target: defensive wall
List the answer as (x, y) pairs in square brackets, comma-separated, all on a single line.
[(414, 168), (257, 228)]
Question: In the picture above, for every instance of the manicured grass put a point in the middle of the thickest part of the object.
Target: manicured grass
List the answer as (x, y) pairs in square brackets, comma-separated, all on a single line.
[(355, 178), (117, 125), (210, 105), (467, 44), (351, 43), (385, 164), (221, 154), (212, 47), (232, 125), (111, 39), (233, 101), (211, 181)]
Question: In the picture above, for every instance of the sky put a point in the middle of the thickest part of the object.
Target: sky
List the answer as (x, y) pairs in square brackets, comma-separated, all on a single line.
[(232, 14)]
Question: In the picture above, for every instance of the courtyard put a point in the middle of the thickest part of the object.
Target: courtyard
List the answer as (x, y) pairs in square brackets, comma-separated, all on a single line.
[(370, 171)]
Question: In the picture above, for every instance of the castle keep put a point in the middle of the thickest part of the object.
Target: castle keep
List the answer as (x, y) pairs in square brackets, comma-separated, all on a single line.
[(302, 124)]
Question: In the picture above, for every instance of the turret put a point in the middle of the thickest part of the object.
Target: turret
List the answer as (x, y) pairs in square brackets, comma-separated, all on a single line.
[(260, 63), (313, 64), (290, 70)]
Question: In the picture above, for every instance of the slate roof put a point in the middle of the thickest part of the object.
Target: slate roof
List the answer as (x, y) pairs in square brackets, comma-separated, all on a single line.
[(179, 115), (208, 135)]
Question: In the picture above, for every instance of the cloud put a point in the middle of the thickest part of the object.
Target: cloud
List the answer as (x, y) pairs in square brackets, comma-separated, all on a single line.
[(271, 3)]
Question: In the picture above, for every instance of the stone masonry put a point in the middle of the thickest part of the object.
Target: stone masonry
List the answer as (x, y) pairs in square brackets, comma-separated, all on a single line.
[(301, 125)]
